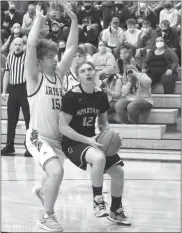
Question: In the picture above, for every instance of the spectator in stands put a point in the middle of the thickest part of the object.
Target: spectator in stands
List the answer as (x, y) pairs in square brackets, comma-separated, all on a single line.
[(112, 86), (90, 16), (28, 19), (120, 11), (14, 78), (56, 33), (15, 17), (171, 37), (106, 9), (70, 80), (169, 13), (89, 49), (22, 6), (65, 19), (161, 65), (156, 7), (62, 47), (5, 28), (131, 6), (137, 93), (15, 32), (145, 13), (104, 61), (146, 41), (131, 35), (113, 36), (124, 60)]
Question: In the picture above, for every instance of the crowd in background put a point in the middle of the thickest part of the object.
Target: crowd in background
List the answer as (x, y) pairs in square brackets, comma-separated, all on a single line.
[(134, 45)]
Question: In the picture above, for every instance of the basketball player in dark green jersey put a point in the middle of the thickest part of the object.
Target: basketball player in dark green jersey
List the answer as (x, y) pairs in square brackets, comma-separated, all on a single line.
[(80, 107)]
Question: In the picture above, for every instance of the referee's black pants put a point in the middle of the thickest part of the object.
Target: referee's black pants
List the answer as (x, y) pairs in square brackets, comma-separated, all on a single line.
[(17, 98)]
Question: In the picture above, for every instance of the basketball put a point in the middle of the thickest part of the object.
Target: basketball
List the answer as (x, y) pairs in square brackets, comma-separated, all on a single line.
[(111, 142)]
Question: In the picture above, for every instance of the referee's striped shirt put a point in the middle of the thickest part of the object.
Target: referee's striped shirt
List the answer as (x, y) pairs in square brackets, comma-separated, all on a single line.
[(15, 65)]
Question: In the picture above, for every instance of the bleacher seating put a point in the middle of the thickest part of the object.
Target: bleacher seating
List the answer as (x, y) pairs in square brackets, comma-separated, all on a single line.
[(160, 130)]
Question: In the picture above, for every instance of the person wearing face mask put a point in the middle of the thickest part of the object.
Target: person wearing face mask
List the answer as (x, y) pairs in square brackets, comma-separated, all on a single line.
[(145, 13), (131, 34), (55, 34), (161, 65), (169, 13), (103, 61), (15, 17), (136, 93), (146, 41), (15, 32), (121, 12), (113, 36), (89, 18), (171, 37), (28, 19), (125, 59)]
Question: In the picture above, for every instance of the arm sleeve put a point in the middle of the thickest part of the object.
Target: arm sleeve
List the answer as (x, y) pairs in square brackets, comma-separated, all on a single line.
[(69, 104), (105, 104)]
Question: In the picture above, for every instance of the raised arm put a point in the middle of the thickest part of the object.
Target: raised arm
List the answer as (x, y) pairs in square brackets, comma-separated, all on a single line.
[(71, 46), (31, 69)]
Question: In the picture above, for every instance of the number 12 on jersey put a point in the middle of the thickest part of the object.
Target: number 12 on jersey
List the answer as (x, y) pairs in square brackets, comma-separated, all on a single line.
[(88, 121)]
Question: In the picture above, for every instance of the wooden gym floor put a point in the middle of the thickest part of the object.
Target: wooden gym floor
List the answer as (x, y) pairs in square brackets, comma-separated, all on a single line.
[(152, 198)]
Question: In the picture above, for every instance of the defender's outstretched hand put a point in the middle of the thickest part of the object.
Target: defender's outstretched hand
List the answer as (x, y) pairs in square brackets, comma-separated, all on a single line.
[(71, 14), (39, 12)]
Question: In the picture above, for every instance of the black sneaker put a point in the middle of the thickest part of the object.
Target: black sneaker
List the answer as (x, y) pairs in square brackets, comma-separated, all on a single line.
[(27, 154), (7, 151)]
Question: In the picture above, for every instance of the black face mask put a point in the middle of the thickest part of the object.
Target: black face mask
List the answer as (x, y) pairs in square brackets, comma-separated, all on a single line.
[(12, 11), (168, 6), (62, 50), (165, 30), (88, 7)]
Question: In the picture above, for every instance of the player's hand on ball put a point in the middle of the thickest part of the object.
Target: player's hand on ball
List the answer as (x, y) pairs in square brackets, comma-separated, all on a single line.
[(92, 141)]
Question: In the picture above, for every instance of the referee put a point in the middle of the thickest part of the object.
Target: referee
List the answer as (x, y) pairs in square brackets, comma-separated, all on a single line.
[(14, 81)]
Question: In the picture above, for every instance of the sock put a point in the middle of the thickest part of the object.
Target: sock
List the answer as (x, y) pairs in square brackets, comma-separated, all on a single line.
[(49, 213), (97, 191), (115, 203)]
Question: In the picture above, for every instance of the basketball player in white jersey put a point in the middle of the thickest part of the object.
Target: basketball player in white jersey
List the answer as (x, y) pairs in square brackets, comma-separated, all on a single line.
[(43, 76), (80, 107), (70, 80)]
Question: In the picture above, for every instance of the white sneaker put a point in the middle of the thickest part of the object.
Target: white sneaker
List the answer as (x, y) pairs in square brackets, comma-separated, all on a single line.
[(99, 206), (49, 223)]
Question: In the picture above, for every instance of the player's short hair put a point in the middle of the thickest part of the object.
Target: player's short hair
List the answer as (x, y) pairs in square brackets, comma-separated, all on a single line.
[(45, 46), (81, 64)]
